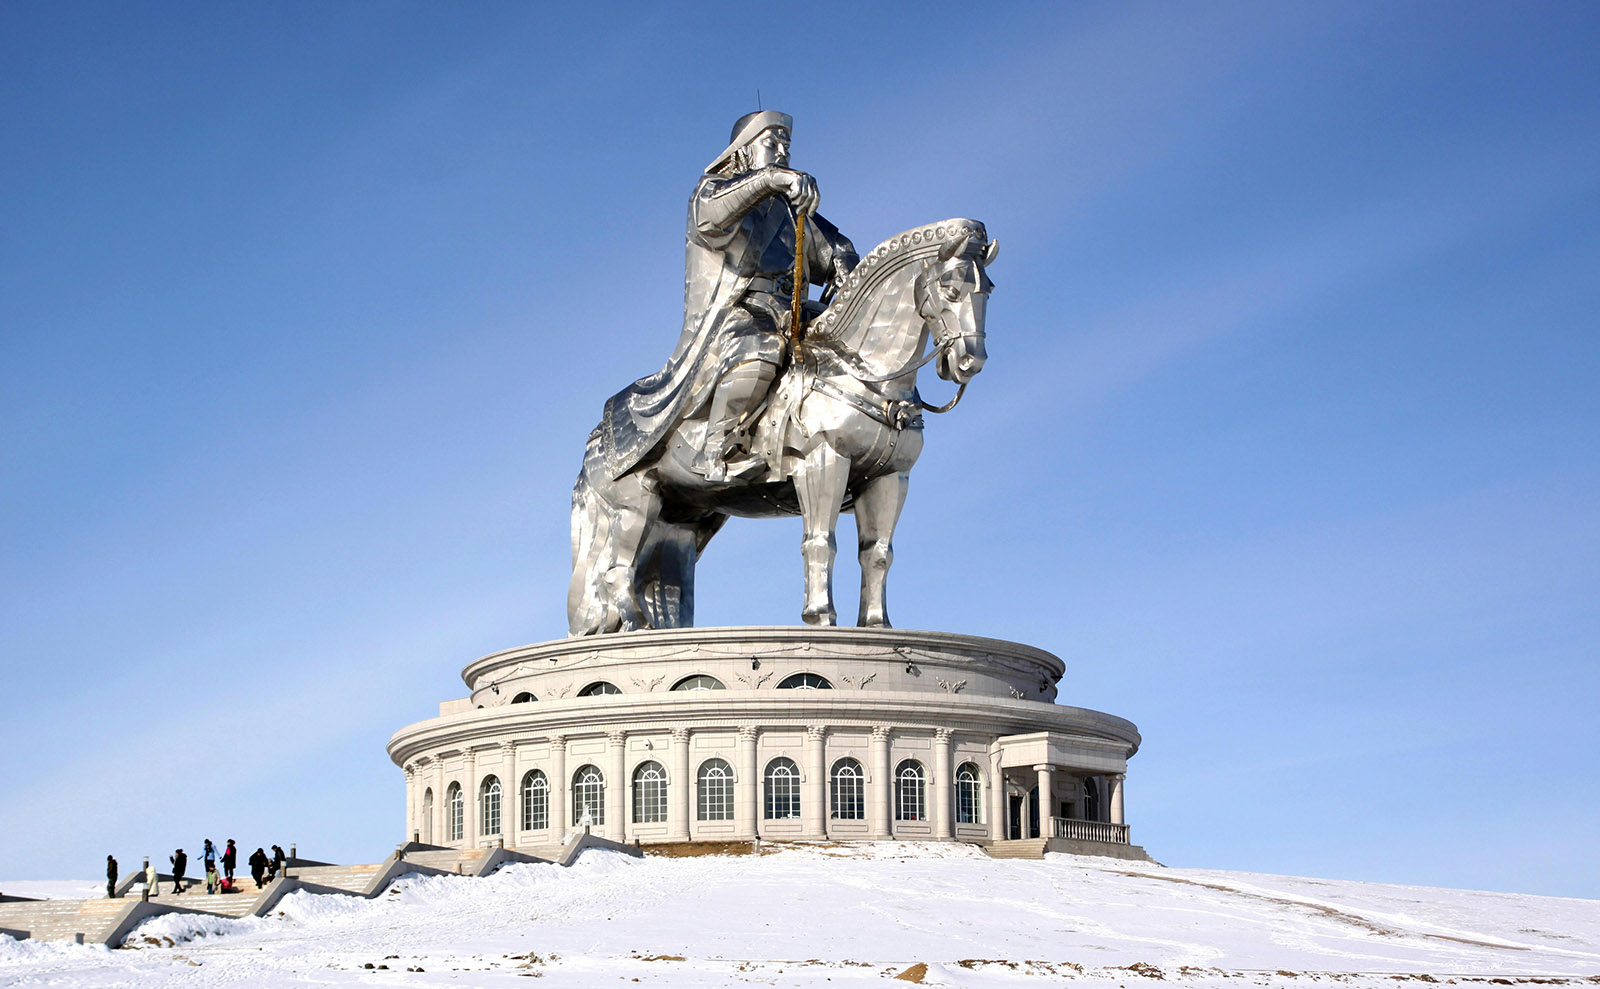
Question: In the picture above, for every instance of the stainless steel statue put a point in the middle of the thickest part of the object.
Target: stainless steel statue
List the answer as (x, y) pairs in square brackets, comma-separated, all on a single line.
[(706, 437)]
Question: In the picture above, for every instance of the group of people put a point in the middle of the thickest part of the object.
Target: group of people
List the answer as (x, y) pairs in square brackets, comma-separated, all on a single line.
[(219, 866)]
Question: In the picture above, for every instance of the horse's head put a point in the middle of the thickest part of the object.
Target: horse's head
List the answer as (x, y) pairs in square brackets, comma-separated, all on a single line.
[(952, 293)]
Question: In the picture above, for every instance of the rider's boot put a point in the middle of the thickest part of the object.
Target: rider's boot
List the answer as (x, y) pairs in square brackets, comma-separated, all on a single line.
[(739, 391)]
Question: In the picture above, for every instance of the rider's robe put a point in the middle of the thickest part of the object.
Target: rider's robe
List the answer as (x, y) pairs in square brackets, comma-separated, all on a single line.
[(721, 259)]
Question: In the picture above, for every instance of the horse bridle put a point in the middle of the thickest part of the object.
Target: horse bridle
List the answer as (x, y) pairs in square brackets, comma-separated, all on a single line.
[(942, 344)]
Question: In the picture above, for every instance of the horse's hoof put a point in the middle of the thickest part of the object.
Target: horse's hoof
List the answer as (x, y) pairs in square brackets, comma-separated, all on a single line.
[(826, 619), (880, 621)]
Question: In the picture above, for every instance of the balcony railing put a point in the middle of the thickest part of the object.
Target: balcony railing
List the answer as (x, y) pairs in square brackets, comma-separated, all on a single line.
[(1070, 827)]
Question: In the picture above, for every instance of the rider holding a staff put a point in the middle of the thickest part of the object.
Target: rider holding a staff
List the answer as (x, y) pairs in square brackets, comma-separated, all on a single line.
[(739, 272)]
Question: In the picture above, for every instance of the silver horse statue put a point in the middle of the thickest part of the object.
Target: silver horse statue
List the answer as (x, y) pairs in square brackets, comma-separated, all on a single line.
[(840, 432)]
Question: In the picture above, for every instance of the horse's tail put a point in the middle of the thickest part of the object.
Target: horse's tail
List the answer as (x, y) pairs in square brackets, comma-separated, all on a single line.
[(588, 603)]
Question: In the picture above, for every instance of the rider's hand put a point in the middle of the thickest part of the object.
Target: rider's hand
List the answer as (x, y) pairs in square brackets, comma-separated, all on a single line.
[(841, 270), (797, 187)]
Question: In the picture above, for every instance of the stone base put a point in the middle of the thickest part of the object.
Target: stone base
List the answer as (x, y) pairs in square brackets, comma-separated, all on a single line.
[(781, 733), (1107, 849)]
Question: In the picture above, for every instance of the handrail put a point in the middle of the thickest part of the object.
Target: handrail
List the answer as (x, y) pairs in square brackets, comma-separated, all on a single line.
[(1079, 830)]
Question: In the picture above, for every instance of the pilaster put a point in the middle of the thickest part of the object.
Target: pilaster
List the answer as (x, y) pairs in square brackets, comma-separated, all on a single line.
[(943, 792), (469, 801), (680, 788), (617, 787), (878, 802), (745, 784), (560, 786), (413, 799), (813, 788), (510, 794), (997, 796), (439, 836)]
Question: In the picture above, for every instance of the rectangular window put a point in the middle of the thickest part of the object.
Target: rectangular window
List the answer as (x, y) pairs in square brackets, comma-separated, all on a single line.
[(536, 806), (783, 798), (649, 800), (908, 800), (848, 801), (969, 798), (491, 812), (716, 798)]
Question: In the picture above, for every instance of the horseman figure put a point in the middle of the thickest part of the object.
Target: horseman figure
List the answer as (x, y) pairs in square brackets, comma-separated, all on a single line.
[(738, 289)]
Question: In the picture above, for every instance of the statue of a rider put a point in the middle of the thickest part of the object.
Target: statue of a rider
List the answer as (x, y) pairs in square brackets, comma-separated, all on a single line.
[(738, 275)]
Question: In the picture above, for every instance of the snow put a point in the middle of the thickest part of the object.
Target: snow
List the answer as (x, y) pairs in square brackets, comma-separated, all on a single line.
[(53, 889), (842, 916)]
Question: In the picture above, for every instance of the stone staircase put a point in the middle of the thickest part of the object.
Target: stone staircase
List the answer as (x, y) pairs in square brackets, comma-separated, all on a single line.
[(1017, 848), (357, 879), (1034, 848), (90, 921), (108, 921)]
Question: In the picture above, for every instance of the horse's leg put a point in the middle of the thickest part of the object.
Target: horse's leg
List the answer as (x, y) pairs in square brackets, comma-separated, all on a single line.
[(820, 483), (587, 606), (634, 512), (673, 556), (878, 505)]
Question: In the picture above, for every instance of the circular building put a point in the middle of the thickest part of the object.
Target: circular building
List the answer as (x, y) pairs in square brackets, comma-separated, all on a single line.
[(777, 733)]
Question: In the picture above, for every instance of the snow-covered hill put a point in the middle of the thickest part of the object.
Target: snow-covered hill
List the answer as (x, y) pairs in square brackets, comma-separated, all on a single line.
[(853, 916)]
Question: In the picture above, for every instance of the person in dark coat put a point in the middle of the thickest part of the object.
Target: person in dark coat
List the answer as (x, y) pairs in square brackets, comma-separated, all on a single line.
[(277, 860), (258, 866), (111, 878), (230, 858), (180, 862)]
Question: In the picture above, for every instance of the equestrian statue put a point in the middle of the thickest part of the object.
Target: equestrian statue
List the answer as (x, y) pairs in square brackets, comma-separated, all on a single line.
[(772, 404)]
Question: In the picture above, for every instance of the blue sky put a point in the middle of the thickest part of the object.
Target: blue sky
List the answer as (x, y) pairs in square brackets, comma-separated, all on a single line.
[(1288, 443)]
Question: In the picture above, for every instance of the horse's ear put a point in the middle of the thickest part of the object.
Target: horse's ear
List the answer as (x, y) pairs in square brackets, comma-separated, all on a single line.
[(991, 252), (952, 248)]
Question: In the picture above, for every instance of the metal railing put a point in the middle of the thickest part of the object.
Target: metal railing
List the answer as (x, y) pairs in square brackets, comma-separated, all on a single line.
[(1069, 827)]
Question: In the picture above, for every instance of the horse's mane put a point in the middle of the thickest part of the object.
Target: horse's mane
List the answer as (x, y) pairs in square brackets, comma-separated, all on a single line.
[(842, 323)]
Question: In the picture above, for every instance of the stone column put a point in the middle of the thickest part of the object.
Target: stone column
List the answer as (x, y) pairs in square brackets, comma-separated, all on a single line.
[(510, 795), (814, 789), (1116, 781), (680, 789), (560, 786), (1047, 800), (746, 785), (878, 802), (997, 797), (943, 790), (439, 783), (617, 787), (413, 799), (469, 801)]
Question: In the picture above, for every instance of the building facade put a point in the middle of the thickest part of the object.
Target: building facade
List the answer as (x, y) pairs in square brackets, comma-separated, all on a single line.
[(777, 733)]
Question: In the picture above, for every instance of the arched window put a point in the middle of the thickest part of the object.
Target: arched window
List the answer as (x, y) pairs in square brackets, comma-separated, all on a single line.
[(455, 813), (969, 794), (427, 816), (588, 796), (910, 791), (490, 805), (649, 793), (783, 790), (535, 801), (716, 791), (699, 682), (804, 681), (1091, 799), (524, 698), (848, 785), (598, 689)]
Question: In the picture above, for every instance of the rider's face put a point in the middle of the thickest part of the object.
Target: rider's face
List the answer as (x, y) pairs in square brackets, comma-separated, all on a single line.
[(771, 147)]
